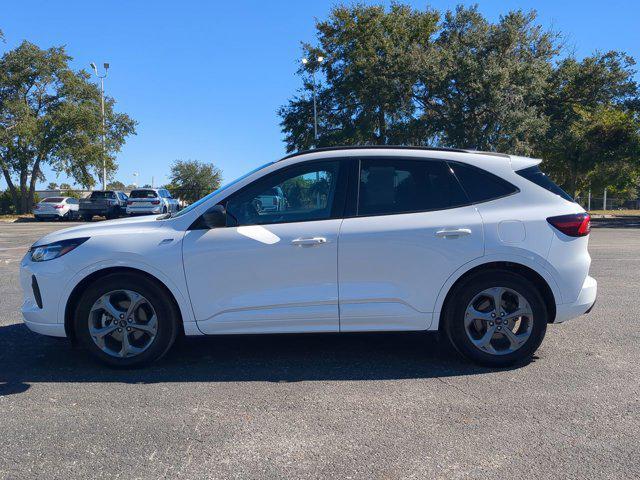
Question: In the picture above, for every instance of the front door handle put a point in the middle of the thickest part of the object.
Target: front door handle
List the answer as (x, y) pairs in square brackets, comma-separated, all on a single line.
[(309, 242), (457, 233)]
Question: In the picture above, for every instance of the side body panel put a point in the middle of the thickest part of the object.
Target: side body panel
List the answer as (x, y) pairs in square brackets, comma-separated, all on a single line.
[(392, 267), (257, 279)]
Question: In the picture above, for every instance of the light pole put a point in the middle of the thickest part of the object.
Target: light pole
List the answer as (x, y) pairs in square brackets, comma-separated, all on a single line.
[(104, 147), (305, 61)]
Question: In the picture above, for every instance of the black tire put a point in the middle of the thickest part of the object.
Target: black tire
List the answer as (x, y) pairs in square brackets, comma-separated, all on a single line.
[(87, 218), (465, 292), (164, 209), (166, 312)]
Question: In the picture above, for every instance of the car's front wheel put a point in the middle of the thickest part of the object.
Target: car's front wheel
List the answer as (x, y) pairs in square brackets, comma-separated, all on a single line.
[(496, 318), (126, 320)]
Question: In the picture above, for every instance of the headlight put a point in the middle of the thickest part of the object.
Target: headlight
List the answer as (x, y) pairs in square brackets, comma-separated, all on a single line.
[(42, 253)]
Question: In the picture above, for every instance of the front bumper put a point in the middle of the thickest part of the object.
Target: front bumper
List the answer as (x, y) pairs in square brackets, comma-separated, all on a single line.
[(584, 302), (48, 277)]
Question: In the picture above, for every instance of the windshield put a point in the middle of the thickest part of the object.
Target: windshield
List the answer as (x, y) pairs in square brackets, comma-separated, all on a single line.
[(215, 192), (52, 200)]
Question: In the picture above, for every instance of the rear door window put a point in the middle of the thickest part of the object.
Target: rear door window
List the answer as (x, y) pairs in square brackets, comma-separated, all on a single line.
[(391, 186), (537, 176), (143, 194), (480, 185)]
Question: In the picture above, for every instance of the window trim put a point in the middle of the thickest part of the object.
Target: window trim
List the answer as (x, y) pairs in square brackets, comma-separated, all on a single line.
[(516, 189), (351, 210), (339, 197)]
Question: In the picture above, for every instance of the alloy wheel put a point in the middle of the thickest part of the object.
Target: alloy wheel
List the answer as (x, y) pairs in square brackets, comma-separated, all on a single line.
[(123, 323), (498, 320)]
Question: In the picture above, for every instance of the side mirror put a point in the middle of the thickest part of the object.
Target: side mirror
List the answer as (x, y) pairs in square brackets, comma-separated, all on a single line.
[(215, 217)]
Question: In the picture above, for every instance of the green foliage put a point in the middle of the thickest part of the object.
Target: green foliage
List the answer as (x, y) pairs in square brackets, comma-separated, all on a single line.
[(71, 193), (191, 179), (50, 114), (52, 186), (594, 134), (403, 76), (116, 185)]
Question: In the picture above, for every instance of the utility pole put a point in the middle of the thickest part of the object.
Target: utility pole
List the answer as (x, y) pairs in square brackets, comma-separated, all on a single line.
[(313, 68), (604, 202), (104, 146)]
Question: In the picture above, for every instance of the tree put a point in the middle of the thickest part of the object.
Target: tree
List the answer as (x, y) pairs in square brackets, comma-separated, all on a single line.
[(370, 75), (50, 114), (414, 77), (116, 185), (483, 84), (594, 134), (65, 186), (191, 179), (52, 186)]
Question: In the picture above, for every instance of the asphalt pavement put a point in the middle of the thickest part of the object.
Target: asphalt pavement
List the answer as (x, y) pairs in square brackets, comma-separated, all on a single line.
[(361, 406)]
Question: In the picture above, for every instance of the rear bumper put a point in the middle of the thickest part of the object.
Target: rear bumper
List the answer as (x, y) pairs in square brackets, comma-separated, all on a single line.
[(49, 215), (144, 210), (584, 302)]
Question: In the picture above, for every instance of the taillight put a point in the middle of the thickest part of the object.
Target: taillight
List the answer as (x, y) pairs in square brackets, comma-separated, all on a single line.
[(58, 206), (35, 207), (129, 202), (155, 202), (574, 225)]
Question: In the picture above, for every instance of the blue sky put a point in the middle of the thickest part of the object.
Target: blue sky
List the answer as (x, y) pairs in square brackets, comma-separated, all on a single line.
[(204, 79)]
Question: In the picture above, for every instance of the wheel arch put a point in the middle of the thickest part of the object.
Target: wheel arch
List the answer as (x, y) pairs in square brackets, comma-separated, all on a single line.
[(544, 285), (77, 291)]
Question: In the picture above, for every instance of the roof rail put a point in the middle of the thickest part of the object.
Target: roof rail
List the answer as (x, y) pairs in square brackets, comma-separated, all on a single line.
[(391, 147)]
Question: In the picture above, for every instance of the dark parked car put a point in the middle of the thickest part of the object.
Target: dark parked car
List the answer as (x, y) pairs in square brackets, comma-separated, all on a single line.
[(107, 203)]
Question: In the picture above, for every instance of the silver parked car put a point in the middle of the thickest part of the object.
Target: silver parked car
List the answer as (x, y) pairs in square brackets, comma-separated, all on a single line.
[(147, 201), (56, 208)]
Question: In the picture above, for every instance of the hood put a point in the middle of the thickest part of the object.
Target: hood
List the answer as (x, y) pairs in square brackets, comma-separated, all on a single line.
[(134, 225)]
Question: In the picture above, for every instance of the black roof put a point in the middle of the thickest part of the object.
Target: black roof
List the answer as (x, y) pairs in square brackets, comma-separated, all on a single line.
[(391, 147)]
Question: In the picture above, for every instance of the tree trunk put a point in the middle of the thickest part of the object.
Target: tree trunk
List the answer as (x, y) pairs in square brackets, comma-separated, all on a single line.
[(32, 184), (12, 188), (382, 127), (573, 179), (22, 207)]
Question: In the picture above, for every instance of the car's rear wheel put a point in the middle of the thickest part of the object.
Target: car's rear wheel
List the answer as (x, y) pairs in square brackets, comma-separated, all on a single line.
[(87, 218), (126, 320), (496, 318)]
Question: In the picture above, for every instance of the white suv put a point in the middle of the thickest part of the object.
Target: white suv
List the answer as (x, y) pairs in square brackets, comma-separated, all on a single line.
[(147, 201), (482, 247)]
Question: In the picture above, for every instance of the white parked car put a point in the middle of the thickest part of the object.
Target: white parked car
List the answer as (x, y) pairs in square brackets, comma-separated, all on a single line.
[(56, 208), (147, 201), (482, 247)]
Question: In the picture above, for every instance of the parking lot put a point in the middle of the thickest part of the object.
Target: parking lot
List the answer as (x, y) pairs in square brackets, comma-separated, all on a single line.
[(329, 406)]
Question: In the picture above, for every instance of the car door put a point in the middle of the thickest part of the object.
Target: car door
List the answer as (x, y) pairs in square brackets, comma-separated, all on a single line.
[(271, 270), (411, 228)]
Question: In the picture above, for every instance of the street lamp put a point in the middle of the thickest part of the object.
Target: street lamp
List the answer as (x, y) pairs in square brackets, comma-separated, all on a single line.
[(305, 61), (104, 147)]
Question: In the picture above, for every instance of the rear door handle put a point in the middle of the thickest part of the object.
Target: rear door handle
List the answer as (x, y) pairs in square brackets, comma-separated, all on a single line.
[(309, 242), (457, 233)]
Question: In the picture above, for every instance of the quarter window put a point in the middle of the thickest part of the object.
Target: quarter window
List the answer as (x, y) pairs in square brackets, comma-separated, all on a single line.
[(480, 185), (298, 194), (391, 186)]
